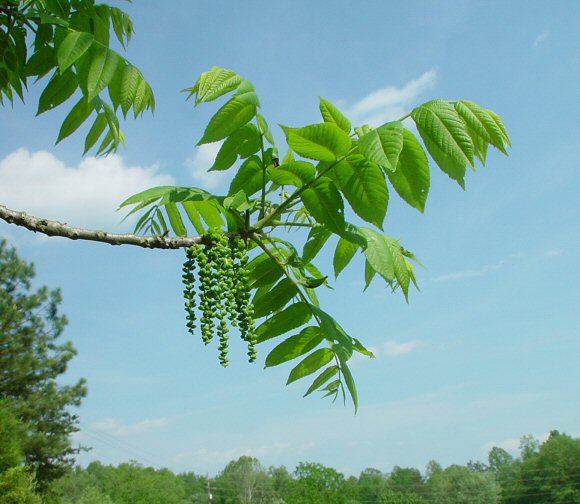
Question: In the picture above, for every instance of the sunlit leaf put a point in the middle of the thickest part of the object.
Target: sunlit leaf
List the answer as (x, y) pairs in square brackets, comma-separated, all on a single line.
[(72, 48), (383, 145), (411, 178), (311, 364), (295, 346), (364, 186), (232, 116), (322, 142), (289, 318), (325, 204), (331, 114)]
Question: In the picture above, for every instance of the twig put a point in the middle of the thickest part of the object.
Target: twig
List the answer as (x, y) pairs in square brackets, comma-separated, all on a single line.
[(55, 228)]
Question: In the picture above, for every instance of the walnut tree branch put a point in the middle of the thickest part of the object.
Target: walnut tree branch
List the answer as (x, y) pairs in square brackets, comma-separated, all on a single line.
[(54, 228)]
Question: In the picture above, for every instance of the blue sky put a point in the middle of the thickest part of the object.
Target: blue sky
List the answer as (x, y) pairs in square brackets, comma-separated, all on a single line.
[(485, 353)]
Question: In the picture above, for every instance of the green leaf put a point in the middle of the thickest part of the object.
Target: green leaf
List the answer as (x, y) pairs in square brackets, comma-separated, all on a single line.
[(500, 125), (325, 204), (370, 273), (293, 316), (317, 237), (385, 255), (72, 48), (411, 178), (95, 132), (294, 173), (383, 145), (210, 213), (321, 379), (295, 346), (445, 136), (331, 114), (238, 202), (310, 364), (347, 375), (271, 300), (229, 118), (215, 83), (345, 251), (358, 346), (122, 25), (481, 122), (192, 212), (149, 195), (58, 90), (265, 130), (41, 62), (263, 270), (243, 142), (322, 142), (59, 7), (332, 330), (364, 187), (175, 219), (249, 177), (103, 63), (78, 115), (52, 20), (130, 80)]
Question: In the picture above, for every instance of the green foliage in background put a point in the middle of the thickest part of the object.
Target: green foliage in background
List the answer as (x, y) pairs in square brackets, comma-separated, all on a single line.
[(546, 474), (32, 360)]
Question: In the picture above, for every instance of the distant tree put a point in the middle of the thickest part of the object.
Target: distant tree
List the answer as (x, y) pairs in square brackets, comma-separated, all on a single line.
[(80, 486), (461, 485), (371, 483), (499, 459), (406, 480), (433, 467), (281, 480), (315, 483), (12, 433), (131, 483), (243, 481), (529, 446), (31, 361), (17, 486), (548, 474), (17, 482), (195, 487)]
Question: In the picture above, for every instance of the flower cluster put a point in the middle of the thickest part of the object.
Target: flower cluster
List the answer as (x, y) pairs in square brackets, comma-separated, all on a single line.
[(220, 293)]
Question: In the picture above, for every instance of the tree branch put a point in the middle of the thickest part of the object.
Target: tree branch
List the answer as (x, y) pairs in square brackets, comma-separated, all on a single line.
[(54, 228)]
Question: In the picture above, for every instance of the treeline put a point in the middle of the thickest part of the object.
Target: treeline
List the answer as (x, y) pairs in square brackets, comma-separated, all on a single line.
[(546, 473)]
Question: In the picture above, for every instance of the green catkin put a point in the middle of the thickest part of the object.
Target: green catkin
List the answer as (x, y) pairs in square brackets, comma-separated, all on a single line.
[(189, 289), (222, 291)]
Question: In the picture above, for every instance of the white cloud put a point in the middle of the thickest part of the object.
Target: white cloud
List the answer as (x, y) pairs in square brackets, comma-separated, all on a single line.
[(460, 275), (85, 195), (390, 102), (553, 253), (201, 161), (393, 348), (115, 428), (541, 38)]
